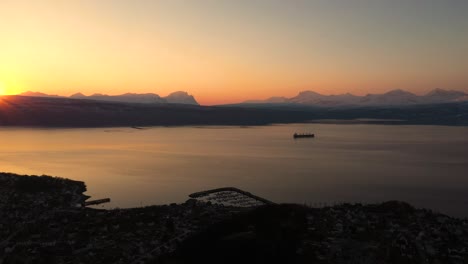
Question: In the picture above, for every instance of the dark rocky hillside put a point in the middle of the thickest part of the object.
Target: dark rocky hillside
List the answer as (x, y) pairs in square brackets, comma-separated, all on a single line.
[(44, 225)]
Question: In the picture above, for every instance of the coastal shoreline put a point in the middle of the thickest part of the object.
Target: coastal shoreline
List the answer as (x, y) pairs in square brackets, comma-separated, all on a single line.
[(39, 215)]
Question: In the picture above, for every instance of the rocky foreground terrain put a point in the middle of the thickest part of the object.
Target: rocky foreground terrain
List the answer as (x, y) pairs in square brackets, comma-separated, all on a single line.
[(42, 221)]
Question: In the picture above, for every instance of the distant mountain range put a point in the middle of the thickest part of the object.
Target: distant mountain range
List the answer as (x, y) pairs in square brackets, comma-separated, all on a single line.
[(392, 98), (45, 111), (148, 98), (306, 98)]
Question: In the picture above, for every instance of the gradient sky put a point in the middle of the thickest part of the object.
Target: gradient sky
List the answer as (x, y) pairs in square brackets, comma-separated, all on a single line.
[(229, 51)]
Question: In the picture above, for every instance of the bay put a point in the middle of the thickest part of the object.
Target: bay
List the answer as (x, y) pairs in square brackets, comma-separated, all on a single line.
[(426, 166)]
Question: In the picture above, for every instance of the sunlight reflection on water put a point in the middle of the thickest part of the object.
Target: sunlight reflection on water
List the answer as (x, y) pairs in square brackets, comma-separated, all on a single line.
[(424, 165)]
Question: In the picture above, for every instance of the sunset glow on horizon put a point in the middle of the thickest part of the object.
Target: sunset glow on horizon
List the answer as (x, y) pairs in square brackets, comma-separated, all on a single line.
[(231, 51)]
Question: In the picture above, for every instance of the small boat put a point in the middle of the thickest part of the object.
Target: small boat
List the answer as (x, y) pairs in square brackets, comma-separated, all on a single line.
[(303, 135)]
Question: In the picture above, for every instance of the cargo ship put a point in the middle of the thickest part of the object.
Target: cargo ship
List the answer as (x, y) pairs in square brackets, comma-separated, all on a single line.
[(303, 135)]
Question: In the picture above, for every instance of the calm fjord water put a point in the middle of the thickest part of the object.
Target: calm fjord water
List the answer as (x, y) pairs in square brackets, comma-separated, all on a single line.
[(424, 165)]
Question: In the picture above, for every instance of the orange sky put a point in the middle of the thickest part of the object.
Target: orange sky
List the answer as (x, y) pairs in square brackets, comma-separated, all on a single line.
[(230, 51)]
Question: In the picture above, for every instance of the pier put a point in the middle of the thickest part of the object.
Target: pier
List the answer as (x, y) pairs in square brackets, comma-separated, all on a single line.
[(95, 202), (231, 196)]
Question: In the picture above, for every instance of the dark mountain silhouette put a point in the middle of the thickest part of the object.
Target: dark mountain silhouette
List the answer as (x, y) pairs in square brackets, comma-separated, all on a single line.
[(438, 95), (128, 98), (180, 98), (78, 96), (273, 100), (67, 112), (148, 98), (38, 94), (313, 98), (392, 98)]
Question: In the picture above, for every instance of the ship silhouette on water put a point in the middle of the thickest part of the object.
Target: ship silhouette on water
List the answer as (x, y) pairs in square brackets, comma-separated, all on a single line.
[(303, 135)]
